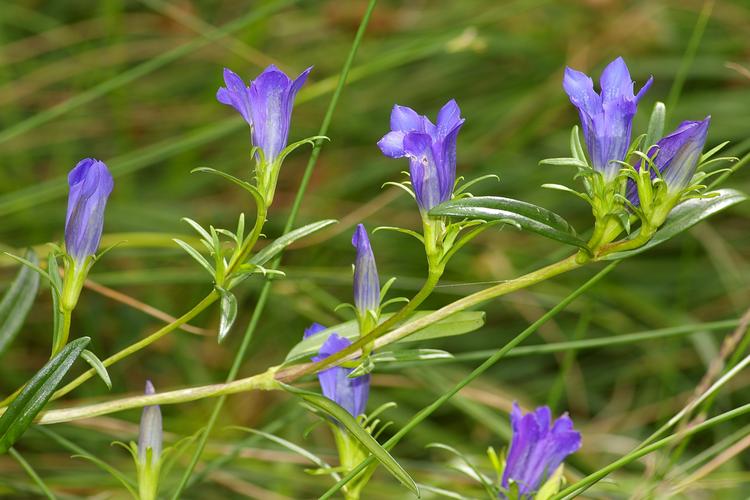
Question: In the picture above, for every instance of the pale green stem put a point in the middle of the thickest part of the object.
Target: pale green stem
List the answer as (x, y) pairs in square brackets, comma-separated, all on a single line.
[(247, 246), (61, 337), (202, 305), (411, 327), (262, 382)]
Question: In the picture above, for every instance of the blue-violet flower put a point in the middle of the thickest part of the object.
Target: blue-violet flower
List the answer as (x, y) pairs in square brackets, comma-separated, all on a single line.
[(366, 281), (150, 435), (537, 448), (349, 393), (90, 185), (431, 150), (266, 105), (677, 157), (606, 118)]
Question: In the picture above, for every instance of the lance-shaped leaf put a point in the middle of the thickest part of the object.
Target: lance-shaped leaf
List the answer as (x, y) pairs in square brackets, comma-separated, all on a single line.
[(342, 416), (17, 302), (277, 245), (405, 356), (523, 215), (21, 412), (455, 324), (228, 308), (684, 216)]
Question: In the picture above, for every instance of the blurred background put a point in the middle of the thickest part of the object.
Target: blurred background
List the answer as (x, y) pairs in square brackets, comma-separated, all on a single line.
[(133, 84)]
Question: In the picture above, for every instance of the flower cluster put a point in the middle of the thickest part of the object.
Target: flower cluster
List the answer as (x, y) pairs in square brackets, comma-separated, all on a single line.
[(648, 187)]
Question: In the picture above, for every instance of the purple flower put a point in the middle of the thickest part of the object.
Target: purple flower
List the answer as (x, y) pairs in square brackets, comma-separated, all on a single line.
[(606, 118), (349, 393), (90, 186), (366, 282), (537, 448), (150, 435), (431, 150), (266, 105), (677, 157)]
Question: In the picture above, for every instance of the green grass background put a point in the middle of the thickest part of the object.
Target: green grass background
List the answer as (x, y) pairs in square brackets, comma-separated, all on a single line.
[(133, 84)]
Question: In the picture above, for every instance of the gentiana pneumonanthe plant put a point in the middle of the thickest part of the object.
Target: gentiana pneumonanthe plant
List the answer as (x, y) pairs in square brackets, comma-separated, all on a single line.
[(634, 186)]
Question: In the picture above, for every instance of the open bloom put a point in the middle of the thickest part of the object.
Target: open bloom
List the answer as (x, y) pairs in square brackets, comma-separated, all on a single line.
[(606, 118), (537, 448), (150, 435), (266, 105), (677, 157), (431, 150), (349, 393), (366, 281), (90, 185)]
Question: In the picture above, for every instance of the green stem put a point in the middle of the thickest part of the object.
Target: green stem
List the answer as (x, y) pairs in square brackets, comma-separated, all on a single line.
[(427, 411), (240, 356), (61, 337), (247, 246), (579, 487), (198, 308), (407, 329), (32, 473), (262, 382)]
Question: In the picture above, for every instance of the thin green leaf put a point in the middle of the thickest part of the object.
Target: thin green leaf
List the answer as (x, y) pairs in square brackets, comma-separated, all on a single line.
[(473, 472), (196, 255), (282, 242), (409, 232), (656, 124), (21, 412), (294, 448), (407, 355), (17, 302), (684, 216), (529, 217), (97, 365), (576, 149), (228, 309), (564, 162), (243, 184), (335, 411), (456, 324)]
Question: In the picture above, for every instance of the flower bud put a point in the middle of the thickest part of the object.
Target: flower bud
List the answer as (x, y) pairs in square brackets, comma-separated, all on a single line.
[(366, 281), (90, 186), (150, 436)]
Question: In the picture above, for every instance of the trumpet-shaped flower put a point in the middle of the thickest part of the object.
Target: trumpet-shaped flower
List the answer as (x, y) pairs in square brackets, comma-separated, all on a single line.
[(349, 393), (537, 448), (676, 157), (366, 281), (150, 436), (431, 150), (266, 105), (90, 186), (606, 118)]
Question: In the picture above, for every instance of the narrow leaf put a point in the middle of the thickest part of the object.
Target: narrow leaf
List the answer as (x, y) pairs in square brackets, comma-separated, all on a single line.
[(404, 356), (196, 255), (655, 125), (277, 245), (456, 324), (336, 412), (529, 217), (228, 308), (243, 184), (684, 216), (17, 302), (97, 365), (21, 412), (564, 162), (576, 149)]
